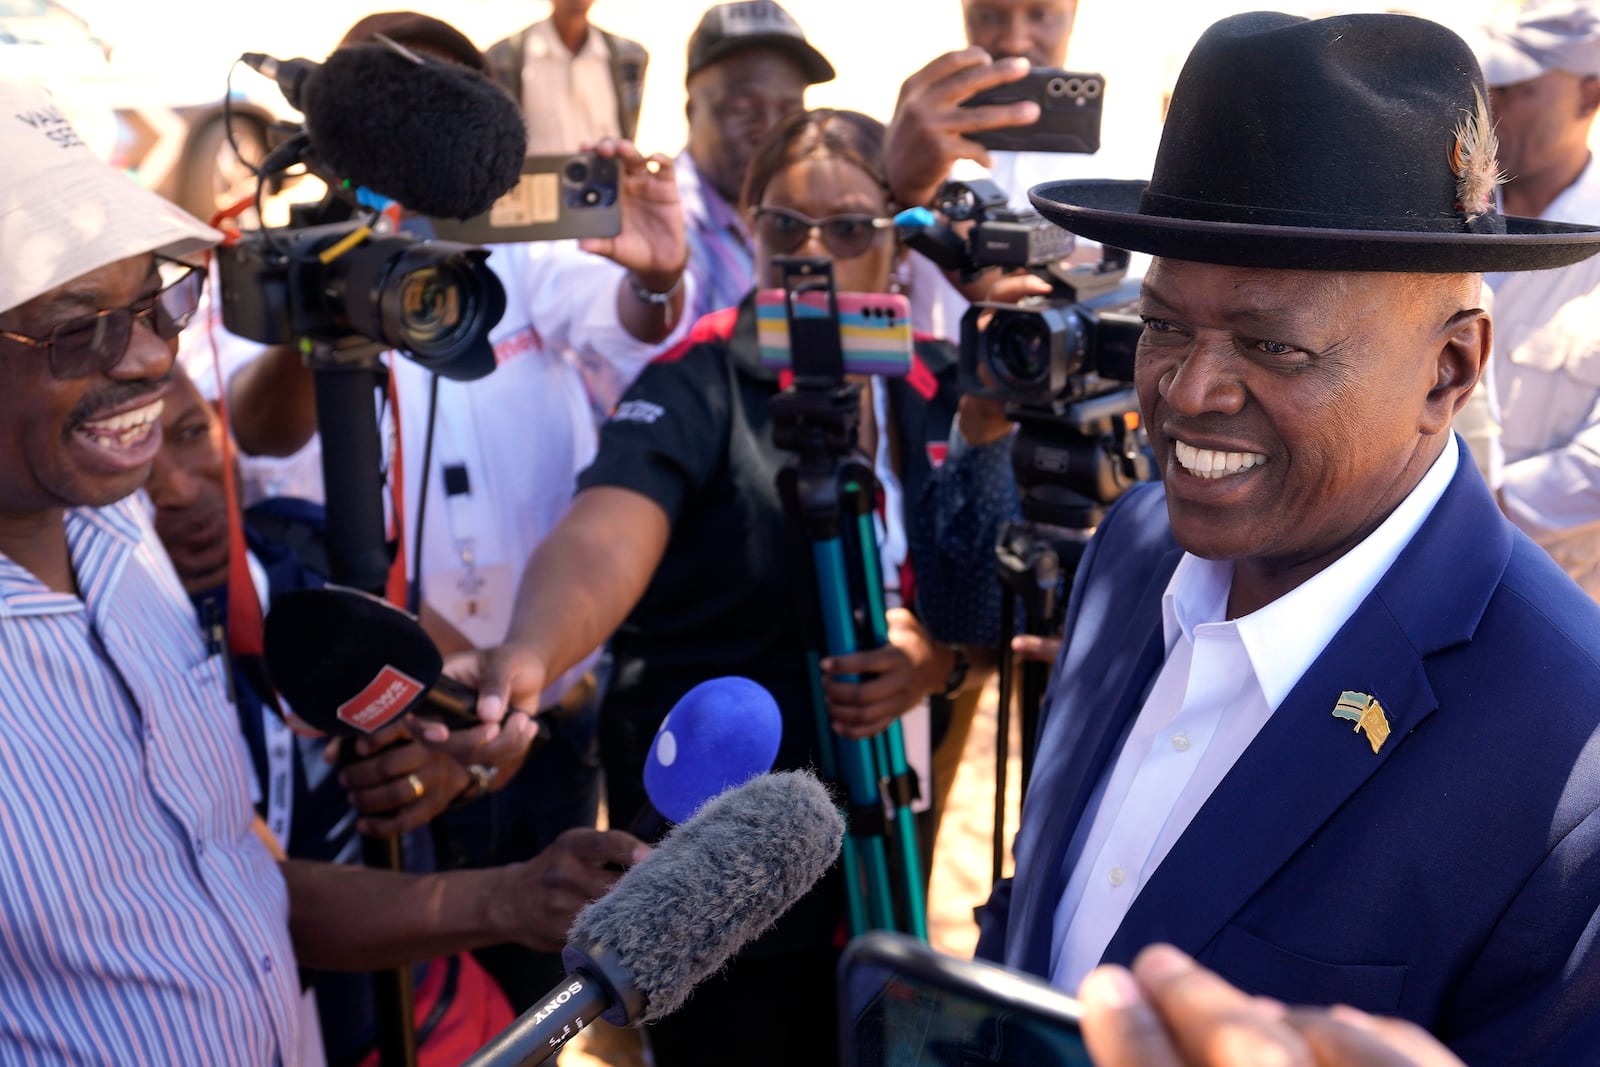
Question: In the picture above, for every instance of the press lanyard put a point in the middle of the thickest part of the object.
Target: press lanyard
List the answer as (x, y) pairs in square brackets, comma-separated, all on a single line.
[(277, 739)]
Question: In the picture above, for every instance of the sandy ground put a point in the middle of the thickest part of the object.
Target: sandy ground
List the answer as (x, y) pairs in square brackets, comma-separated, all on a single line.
[(962, 862)]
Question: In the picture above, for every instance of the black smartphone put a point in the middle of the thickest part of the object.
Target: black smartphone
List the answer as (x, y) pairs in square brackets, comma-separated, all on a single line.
[(1070, 105), (559, 196), (901, 1004)]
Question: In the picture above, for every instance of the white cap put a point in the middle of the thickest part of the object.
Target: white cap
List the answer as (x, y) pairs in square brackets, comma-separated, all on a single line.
[(63, 211), (1522, 42)]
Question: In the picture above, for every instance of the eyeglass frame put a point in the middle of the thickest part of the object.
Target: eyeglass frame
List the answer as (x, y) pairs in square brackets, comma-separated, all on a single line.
[(142, 311), (878, 222)]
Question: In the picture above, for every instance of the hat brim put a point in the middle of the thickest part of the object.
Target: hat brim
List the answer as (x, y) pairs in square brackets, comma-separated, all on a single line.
[(813, 64), (1108, 212)]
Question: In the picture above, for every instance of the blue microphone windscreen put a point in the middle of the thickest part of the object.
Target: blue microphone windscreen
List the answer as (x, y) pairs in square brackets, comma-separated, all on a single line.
[(720, 734)]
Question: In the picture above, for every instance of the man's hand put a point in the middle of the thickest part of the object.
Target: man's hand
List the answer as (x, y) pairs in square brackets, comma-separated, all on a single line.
[(1172, 1012), (651, 242), (396, 784), (912, 665), (506, 677), (927, 134), (1038, 649), (577, 867)]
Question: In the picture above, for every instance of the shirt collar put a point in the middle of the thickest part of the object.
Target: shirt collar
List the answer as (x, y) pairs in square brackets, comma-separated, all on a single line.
[(593, 46), (1286, 636), (703, 205), (92, 534)]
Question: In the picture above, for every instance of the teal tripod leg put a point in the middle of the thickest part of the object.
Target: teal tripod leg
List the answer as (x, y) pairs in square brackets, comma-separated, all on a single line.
[(854, 896), (891, 742), (855, 756)]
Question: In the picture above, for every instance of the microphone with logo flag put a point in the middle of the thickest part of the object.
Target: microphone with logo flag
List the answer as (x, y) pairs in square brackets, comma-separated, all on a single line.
[(350, 663), (719, 734), (714, 884)]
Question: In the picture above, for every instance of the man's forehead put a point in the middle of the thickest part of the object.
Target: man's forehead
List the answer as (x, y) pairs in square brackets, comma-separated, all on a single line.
[(92, 290)]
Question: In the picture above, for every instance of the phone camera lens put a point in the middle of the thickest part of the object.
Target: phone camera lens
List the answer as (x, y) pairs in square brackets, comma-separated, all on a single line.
[(576, 172), (591, 197), (1062, 86), (1092, 87)]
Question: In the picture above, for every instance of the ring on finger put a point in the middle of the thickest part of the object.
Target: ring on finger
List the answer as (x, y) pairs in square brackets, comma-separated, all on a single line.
[(417, 788)]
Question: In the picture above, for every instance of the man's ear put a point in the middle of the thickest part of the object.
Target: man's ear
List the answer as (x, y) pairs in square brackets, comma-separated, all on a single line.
[(1588, 96), (1461, 358)]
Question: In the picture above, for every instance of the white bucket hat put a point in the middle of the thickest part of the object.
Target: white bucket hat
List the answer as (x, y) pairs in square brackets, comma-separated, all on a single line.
[(1520, 43), (63, 211)]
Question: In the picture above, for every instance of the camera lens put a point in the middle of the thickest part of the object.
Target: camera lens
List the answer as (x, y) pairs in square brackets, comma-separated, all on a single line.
[(576, 172), (431, 306), (1019, 351), (1062, 86)]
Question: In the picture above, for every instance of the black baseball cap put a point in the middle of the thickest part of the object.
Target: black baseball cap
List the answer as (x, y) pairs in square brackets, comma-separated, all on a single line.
[(728, 28)]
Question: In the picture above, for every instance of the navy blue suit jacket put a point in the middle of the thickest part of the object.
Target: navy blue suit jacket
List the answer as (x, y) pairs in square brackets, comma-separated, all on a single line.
[(1452, 878)]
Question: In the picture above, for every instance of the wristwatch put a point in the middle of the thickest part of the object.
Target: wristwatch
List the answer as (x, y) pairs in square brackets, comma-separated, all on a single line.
[(957, 675)]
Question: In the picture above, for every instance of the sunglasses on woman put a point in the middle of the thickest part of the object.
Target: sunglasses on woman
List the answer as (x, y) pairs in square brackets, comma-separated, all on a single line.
[(93, 344), (846, 236)]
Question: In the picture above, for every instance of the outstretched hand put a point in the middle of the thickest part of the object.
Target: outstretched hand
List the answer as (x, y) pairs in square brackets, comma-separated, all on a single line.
[(508, 679), (575, 868), (1169, 1011), (928, 132), (652, 242)]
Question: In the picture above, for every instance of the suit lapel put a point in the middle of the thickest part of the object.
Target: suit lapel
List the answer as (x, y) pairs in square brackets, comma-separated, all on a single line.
[(1086, 722), (1305, 762), (1294, 775)]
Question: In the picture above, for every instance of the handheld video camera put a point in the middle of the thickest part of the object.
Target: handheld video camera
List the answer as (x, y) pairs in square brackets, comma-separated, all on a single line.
[(1062, 363)]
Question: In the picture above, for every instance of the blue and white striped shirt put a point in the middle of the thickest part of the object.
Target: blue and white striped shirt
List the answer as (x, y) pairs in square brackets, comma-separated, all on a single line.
[(141, 921)]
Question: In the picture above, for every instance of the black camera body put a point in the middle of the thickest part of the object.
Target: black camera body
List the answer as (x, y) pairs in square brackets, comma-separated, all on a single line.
[(433, 300)]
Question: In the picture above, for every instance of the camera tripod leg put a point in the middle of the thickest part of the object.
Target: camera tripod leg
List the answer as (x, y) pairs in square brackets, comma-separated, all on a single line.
[(899, 785), (855, 902), (855, 756)]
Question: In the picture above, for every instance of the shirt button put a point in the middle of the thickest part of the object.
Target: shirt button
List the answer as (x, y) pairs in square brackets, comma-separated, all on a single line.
[(200, 846), (1116, 876), (266, 964), (1180, 742)]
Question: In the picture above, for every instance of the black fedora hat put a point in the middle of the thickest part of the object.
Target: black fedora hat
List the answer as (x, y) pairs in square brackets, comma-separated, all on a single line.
[(1331, 144)]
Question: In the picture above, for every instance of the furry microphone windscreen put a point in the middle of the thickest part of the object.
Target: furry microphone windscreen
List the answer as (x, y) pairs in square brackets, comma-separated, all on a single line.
[(714, 884), (441, 139)]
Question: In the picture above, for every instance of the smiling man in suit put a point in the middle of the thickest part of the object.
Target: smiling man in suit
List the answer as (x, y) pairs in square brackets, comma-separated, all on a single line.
[(1322, 718)]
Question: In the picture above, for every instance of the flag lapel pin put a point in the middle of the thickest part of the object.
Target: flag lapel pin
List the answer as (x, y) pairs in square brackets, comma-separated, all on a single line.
[(1364, 710)]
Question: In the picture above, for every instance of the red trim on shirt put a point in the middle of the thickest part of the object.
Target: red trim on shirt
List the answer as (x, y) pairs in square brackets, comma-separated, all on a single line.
[(715, 326), (920, 378)]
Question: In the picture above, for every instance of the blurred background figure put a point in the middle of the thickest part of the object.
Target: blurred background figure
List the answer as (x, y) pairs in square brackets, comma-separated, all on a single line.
[(749, 65), (575, 82), (1542, 64)]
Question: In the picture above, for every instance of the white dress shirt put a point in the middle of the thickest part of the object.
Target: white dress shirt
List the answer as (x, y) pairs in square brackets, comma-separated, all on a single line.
[(567, 99), (1221, 681)]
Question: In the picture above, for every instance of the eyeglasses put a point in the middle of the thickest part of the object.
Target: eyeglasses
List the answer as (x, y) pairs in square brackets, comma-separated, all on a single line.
[(93, 344), (846, 236)]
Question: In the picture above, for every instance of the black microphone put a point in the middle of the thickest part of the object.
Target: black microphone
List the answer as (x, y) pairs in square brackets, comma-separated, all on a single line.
[(347, 663), (440, 138), (714, 884), (290, 74)]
